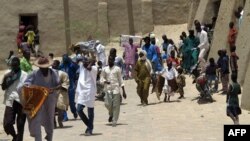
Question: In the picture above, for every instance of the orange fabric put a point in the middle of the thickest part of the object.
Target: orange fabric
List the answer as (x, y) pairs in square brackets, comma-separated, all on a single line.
[(33, 98)]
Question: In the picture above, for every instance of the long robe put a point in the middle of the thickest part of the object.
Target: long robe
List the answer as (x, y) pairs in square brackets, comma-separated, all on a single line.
[(143, 78), (190, 56), (86, 87), (45, 116)]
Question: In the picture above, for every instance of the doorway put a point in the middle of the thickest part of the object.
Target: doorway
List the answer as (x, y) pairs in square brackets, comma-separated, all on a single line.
[(29, 19)]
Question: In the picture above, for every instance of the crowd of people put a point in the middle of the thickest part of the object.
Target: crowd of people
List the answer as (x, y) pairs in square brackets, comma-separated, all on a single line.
[(76, 82), (28, 39)]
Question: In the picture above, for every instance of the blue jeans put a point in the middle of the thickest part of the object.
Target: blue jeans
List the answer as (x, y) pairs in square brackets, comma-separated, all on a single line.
[(87, 121), (72, 104)]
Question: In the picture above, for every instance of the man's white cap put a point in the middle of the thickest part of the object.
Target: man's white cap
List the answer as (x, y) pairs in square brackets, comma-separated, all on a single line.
[(97, 42), (152, 35)]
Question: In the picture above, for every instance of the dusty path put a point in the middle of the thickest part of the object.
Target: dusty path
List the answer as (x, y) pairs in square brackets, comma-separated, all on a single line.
[(184, 120), (180, 120)]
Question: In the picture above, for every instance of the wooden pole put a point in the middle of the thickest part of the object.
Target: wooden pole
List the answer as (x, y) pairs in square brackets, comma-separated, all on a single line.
[(130, 17), (67, 24)]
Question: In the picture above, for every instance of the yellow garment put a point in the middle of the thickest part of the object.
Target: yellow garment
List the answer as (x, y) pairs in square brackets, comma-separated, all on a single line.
[(31, 35)]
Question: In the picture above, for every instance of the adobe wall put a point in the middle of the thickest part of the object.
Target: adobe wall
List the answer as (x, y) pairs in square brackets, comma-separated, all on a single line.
[(84, 20), (242, 45), (245, 99), (205, 12), (52, 34), (102, 22), (147, 22), (226, 15), (201, 11), (243, 50), (170, 11), (137, 12), (194, 4), (118, 17)]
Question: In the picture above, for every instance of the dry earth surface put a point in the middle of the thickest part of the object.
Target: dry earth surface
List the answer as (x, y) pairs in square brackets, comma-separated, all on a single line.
[(180, 120)]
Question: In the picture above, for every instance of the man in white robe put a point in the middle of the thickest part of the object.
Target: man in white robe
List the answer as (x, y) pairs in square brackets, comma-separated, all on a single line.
[(85, 93), (203, 46), (101, 56)]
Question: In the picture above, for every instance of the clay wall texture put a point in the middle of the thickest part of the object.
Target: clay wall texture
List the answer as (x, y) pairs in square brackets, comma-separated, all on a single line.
[(83, 20), (243, 50), (170, 11), (50, 23)]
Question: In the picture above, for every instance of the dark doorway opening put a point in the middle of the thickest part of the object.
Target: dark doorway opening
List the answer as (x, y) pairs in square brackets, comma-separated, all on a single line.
[(216, 7), (29, 19)]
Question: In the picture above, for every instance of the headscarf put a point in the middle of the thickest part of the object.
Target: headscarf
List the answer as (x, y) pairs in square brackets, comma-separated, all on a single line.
[(147, 62), (144, 57)]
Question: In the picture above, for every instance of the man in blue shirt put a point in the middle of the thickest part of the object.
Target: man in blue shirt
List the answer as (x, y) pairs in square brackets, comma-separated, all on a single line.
[(71, 69), (152, 55)]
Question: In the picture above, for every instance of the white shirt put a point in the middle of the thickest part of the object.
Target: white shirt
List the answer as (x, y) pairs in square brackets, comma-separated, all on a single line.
[(101, 56), (112, 75), (170, 48), (12, 94), (203, 39), (180, 44), (86, 86), (169, 74)]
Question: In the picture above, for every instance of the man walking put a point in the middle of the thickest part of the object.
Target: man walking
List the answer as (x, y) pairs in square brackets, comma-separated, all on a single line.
[(203, 46), (70, 68), (112, 78), (130, 53), (143, 71), (44, 77), (12, 81), (85, 92)]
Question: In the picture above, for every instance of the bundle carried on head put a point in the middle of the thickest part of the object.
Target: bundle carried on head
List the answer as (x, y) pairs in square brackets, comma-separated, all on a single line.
[(88, 46)]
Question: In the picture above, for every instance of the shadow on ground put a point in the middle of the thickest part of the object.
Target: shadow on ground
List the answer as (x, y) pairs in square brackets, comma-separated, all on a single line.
[(118, 124), (94, 134), (203, 101), (64, 127)]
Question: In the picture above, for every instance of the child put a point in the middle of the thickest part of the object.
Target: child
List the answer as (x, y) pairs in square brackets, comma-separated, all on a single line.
[(233, 108), (173, 59), (233, 60), (170, 75), (180, 82), (30, 38), (211, 74)]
